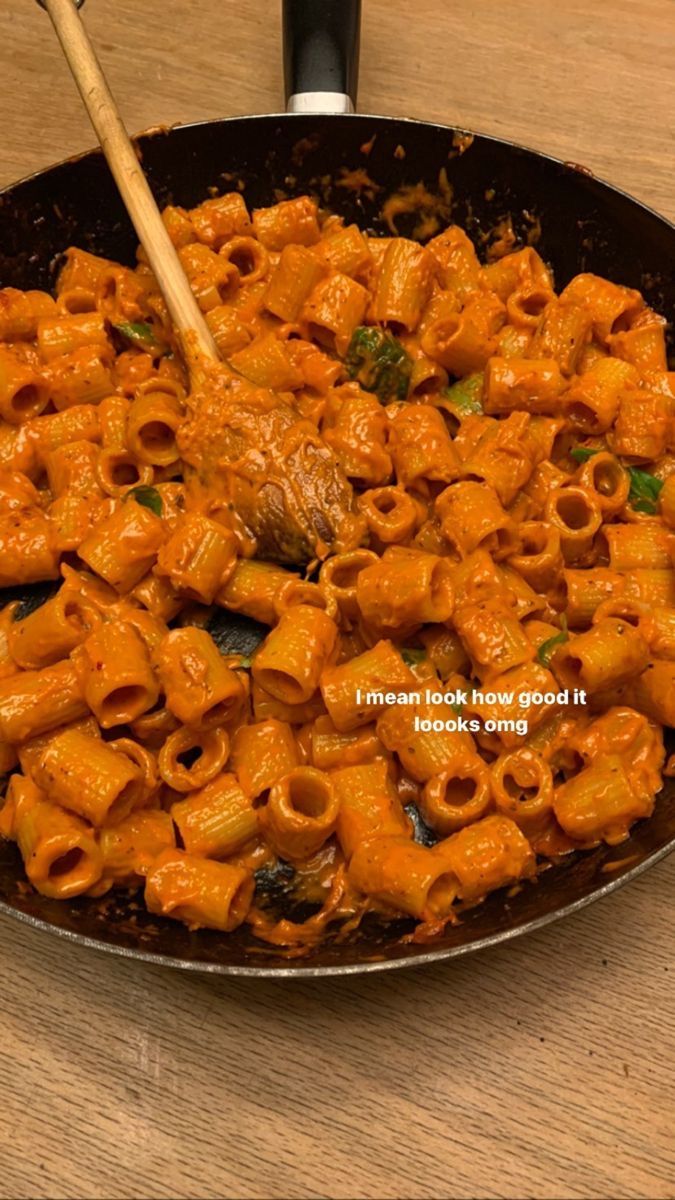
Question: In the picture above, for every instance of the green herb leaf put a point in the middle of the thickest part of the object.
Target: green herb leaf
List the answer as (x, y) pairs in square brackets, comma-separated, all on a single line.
[(458, 709), (138, 332), (412, 657), (644, 490), (245, 662), (466, 396), (546, 649), (379, 363), (149, 497)]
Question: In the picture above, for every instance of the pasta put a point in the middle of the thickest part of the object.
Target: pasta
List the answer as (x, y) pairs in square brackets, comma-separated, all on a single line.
[(445, 493)]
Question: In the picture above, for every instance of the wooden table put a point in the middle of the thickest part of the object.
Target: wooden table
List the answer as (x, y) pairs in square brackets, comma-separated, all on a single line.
[(541, 1069)]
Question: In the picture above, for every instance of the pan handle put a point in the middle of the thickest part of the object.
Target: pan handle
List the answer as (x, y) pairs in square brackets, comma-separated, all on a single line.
[(321, 54)]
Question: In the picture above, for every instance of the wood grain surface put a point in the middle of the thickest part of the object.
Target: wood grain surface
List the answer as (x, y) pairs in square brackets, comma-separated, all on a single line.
[(543, 1069)]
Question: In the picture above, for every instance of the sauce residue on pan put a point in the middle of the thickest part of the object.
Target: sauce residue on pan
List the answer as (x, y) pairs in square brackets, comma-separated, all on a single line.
[(432, 208)]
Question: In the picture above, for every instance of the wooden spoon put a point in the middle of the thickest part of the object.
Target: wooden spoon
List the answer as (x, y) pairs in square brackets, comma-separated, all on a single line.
[(330, 502), (193, 333)]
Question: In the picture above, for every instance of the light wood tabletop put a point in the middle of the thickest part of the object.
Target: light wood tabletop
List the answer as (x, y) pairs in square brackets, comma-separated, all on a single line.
[(541, 1069)]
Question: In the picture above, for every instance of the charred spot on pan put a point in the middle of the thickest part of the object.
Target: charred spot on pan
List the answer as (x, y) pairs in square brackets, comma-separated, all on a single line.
[(234, 633), (30, 598), (422, 832), (275, 882)]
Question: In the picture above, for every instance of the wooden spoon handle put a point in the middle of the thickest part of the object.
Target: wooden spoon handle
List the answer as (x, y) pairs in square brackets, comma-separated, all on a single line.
[(193, 332)]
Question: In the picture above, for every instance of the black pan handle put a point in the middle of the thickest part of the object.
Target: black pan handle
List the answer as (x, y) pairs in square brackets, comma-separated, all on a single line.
[(321, 54)]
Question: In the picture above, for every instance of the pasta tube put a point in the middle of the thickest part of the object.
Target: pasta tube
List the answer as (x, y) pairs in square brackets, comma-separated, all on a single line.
[(252, 589), (521, 783), (300, 814), (216, 821), (391, 514), (28, 550), (116, 674), (339, 578), (289, 663), (122, 548), (86, 776), (152, 421), (201, 892), (262, 754), (368, 805), (331, 749), (23, 390), (405, 588), (82, 377), (599, 804), (404, 876), (289, 221), (59, 851), (403, 286), (472, 518), (34, 702), (198, 557), (292, 281), (514, 383), (604, 476), (21, 311), (58, 335), (345, 687), (332, 311), (458, 795), (611, 653), (130, 848), (190, 758), (538, 557), (492, 637), (200, 689), (52, 631), (576, 514), (423, 753), (488, 854), (420, 446), (216, 221)]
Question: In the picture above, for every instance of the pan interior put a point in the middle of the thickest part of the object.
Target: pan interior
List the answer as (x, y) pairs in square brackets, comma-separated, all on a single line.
[(353, 165)]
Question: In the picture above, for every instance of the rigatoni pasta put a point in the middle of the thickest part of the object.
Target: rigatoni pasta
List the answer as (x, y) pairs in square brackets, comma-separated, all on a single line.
[(446, 495)]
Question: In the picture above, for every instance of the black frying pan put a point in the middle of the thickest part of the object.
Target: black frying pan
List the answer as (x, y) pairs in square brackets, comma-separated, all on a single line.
[(586, 225)]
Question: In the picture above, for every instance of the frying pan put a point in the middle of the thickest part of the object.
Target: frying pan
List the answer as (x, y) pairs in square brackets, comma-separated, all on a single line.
[(352, 163)]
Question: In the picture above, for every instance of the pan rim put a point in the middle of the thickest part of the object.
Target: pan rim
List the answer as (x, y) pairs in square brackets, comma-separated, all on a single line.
[(427, 958)]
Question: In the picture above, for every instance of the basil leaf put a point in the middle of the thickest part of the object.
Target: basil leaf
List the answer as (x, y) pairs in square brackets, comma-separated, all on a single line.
[(138, 332), (644, 506), (466, 396), (546, 649), (413, 657), (582, 453), (458, 709), (644, 490), (149, 497), (379, 363)]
